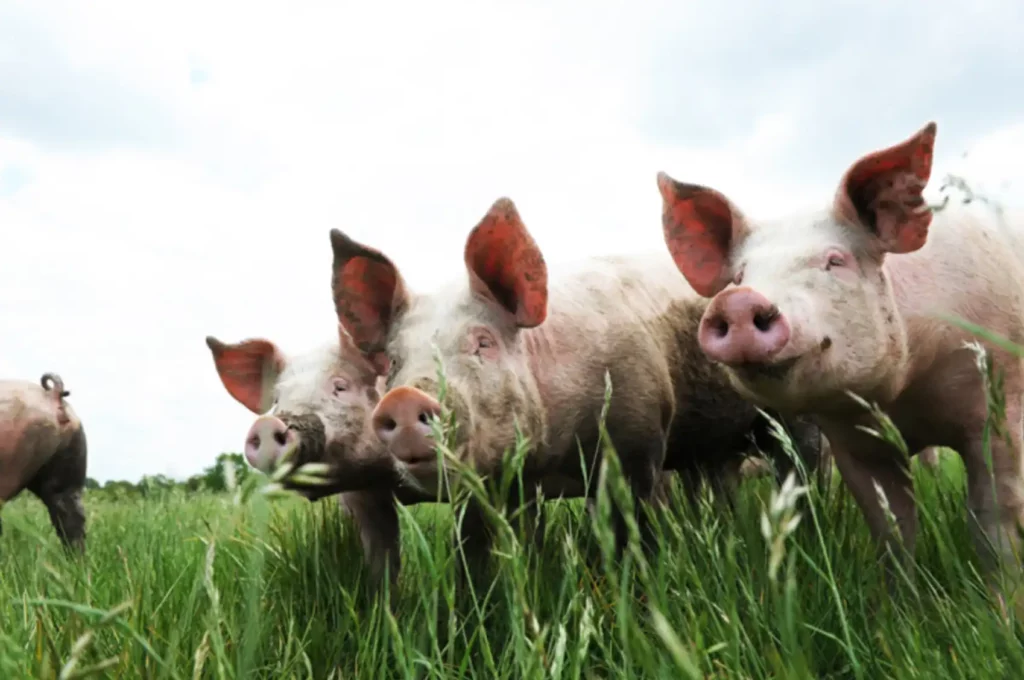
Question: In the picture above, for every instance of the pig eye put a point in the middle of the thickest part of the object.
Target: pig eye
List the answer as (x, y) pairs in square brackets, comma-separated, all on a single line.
[(835, 259), (340, 385)]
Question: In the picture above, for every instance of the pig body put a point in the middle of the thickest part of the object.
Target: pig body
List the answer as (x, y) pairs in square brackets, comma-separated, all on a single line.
[(43, 449), (522, 351), (853, 298)]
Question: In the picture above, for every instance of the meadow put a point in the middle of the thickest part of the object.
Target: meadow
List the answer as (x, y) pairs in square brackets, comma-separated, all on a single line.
[(248, 584)]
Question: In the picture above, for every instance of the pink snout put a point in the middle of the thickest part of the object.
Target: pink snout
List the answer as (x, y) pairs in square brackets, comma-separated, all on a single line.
[(402, 421), (741, 326), (267, 440)]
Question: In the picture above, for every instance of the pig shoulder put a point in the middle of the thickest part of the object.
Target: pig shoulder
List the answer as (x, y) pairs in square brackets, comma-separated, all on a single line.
[(972, 267)]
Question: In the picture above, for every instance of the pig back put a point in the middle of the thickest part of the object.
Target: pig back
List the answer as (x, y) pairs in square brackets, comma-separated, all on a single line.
[(30, 432)]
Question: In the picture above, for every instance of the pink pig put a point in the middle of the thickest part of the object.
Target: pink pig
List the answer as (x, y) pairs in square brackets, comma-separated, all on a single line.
[(43, 449), (851, 298)]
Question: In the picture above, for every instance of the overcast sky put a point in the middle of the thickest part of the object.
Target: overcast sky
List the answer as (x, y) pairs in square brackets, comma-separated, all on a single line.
[(171, 172)]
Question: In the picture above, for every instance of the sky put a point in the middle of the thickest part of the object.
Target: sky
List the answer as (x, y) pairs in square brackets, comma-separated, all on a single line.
[(170, 172)]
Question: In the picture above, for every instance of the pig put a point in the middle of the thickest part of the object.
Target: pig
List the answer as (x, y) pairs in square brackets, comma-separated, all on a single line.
[(43, 449), (855, 297), (520, 351), (318, 405)]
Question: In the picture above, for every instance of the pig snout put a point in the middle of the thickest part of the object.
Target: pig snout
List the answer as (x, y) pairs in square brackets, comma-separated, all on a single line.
[(402, 421), (741, 326), (267, 441)]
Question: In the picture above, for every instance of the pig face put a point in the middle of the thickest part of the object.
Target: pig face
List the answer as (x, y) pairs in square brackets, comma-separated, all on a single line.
[(803, 309), (477, 327), (316, 405)]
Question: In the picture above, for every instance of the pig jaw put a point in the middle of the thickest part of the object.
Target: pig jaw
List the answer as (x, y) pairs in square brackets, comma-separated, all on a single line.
[(843, 331)]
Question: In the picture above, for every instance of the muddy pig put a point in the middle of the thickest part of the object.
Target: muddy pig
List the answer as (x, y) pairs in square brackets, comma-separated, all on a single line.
[(520, 351), (43, 449), (856, 297)]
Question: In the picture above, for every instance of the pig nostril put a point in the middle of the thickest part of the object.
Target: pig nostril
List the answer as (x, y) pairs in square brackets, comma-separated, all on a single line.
[(254, 441), (423, 417), (281, 437), (388, 424), (720, 327), (763, 319)]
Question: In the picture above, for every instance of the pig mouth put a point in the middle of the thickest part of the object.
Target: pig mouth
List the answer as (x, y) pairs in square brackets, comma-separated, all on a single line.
[(760, 371)]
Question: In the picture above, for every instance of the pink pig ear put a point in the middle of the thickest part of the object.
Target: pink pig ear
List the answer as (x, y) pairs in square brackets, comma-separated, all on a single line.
[(368, 294), (506, 265), (377, 365), (883, 192), (248, 370), (701, 226)]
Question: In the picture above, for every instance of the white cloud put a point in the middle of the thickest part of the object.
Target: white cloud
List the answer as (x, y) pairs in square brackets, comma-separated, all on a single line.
[(149, 207)]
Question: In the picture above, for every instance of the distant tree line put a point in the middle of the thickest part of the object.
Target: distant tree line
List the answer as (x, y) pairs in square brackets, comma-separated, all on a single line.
[(213, 478)]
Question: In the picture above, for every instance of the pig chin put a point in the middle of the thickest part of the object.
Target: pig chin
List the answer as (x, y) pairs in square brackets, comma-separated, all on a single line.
[(788, 383)]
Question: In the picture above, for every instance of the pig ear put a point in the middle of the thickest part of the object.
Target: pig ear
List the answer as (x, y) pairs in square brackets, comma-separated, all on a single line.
[(377, 363), (248, 370), (368, 294), (701, 227), (506, 265), (882, 192)]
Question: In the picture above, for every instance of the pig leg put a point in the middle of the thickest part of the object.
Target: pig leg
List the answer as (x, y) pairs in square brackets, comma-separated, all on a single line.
[(68, 517), (376, 519), (58, 484), (995, 497), (806, 438), (862, 463)]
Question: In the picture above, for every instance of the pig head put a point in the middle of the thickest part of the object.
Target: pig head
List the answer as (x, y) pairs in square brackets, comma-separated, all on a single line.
[(43, 449), (856, 298), (313, 408)]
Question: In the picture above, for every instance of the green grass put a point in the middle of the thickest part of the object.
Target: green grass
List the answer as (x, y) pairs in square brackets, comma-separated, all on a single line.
[(204, 586)]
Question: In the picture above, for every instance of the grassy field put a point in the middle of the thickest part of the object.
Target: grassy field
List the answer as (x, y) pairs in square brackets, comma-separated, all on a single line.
[(247, 586)]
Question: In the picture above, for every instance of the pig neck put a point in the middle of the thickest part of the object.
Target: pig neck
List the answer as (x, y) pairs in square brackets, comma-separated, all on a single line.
[(591, 317)]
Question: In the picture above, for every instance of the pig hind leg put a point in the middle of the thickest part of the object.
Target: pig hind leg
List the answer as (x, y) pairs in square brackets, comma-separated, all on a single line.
[(995, 495), (59, 484)]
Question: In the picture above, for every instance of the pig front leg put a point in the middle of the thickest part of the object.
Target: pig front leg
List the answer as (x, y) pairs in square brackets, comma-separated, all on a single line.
[(641, 464), (376, 519), (863, 461)]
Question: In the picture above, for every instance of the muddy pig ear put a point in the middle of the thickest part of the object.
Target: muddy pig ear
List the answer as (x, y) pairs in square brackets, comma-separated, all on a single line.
[(369, 294), (882, 192), (505, 264), (701, 228), (248, 370)]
